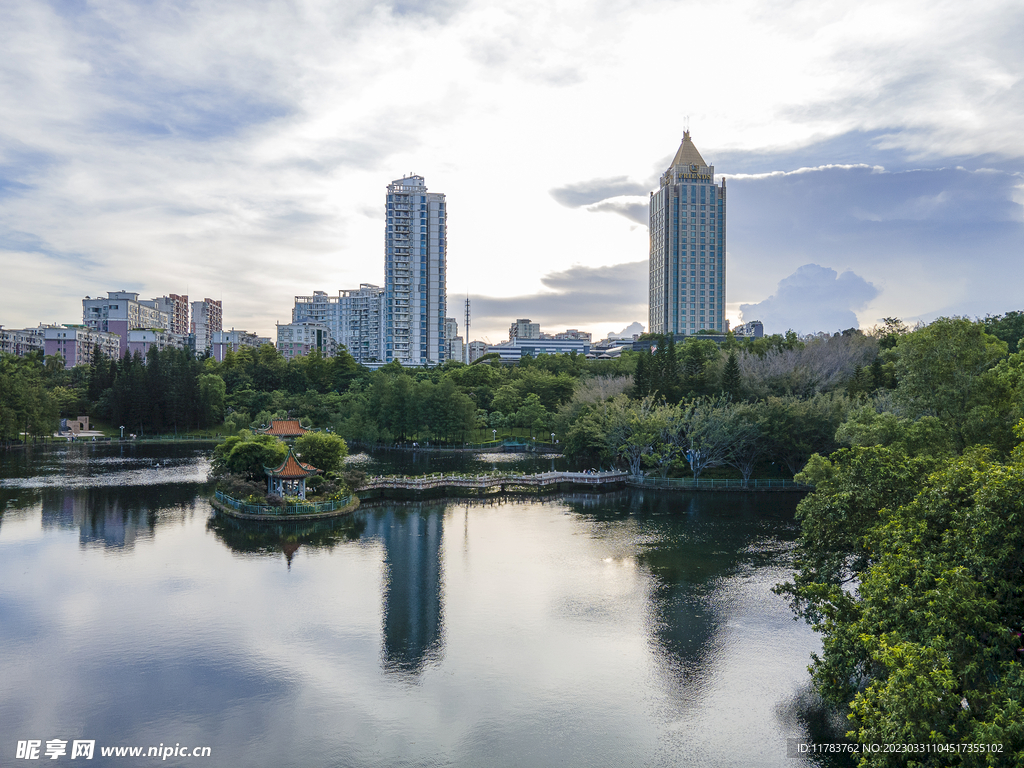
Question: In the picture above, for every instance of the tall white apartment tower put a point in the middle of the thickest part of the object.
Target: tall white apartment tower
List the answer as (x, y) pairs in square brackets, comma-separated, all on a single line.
[(414, 274), (687, 264)]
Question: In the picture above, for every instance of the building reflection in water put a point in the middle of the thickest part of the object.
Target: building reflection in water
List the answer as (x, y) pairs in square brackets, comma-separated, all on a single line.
[(411, 536), (116, 517), (685, 544)]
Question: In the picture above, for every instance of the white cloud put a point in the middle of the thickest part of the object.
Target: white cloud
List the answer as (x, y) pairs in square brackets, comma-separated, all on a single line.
[(812, 299)]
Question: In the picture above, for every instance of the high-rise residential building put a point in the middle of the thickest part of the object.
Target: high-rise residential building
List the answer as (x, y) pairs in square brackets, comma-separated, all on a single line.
[(687, 263), (207, 317), (523, 329), (176, 308), (121, 312), (414, 273), (355, 318)]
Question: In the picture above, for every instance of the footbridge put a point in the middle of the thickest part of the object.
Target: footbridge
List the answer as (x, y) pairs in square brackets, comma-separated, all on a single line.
[(500, 482)]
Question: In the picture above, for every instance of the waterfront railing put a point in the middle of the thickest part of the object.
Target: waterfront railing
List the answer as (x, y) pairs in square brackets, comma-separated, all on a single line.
[(455, 480), (306, 508), (688, 483)]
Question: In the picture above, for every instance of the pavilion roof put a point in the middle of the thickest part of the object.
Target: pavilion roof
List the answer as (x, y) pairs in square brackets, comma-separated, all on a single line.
[(292, 469), (284, 428)]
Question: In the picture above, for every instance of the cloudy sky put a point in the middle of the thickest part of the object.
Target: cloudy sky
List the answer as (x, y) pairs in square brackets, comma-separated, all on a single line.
[(241, 150)]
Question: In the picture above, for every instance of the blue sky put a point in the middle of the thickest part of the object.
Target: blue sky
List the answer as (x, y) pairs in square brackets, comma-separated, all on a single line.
[(241, 151)]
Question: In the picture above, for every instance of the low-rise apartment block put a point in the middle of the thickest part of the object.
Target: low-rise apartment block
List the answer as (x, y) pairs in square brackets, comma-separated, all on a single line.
[(573, 335), (516, 349), (20, 341), (477, 349), (523, 329), (142, 339), (120, 312), (76, 343), (752, 330), (299, 339), (225, 341)]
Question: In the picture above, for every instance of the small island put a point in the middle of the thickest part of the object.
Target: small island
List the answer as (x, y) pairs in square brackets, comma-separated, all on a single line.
[(262, 477)]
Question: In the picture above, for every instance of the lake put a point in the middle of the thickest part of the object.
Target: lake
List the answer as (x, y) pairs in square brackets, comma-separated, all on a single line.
[(629, 629)]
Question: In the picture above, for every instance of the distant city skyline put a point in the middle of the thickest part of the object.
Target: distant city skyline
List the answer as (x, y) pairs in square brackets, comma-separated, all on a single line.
[(872, 154)]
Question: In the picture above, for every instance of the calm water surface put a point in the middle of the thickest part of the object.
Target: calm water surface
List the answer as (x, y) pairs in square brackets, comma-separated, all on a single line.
[(630, 629)]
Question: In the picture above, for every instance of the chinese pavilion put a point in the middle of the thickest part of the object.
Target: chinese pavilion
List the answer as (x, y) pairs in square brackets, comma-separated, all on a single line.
[(284, 428), (290, 477)]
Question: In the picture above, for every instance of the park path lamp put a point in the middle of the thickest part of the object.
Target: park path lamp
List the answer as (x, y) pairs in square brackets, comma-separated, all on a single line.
[(494, 434), (122, 432), (552, 438)]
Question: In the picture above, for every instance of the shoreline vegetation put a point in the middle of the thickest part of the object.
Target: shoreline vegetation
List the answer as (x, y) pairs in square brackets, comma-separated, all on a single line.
[(910, 559)]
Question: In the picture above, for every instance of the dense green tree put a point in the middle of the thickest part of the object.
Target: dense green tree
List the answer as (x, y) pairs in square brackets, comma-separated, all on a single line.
[(449, 413), (247, 454), (747, 445), (586, 437), (532, 414), (705, 433), (633, 428), (924, 437), (732, 382), (26, 407), (323, 450), (927, 649), (643, 376), (211, 397), (795, 428), (1008, 328), (665, 373), (944, 370), (889, 333), (697, 359), (507, 399)]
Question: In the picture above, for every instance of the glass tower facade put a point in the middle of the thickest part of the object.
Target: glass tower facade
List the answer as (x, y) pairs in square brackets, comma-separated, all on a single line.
[(414, 274), (687, 261)]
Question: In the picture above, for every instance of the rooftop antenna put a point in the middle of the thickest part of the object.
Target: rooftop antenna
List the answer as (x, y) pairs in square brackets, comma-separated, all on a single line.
[(686, 124), (465, 347)]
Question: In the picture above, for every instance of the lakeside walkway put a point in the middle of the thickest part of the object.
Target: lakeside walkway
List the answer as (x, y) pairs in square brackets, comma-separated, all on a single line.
[(383, 486), (501, 481)]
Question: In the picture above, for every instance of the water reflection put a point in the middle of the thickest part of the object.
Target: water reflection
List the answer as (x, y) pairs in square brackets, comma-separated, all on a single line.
[(270, 538), (412, 595), (577, 630), (112, 517), (422, 462)]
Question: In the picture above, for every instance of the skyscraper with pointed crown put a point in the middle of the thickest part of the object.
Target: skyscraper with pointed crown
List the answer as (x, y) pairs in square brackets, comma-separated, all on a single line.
[(687, 261)]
